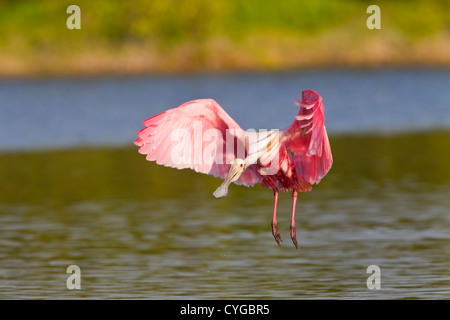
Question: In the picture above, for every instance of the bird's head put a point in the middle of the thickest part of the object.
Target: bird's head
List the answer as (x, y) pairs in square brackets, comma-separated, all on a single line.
[(237, 167)]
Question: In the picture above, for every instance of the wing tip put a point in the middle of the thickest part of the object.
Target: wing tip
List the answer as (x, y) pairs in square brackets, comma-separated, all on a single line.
[(138, 142), (310, 97)]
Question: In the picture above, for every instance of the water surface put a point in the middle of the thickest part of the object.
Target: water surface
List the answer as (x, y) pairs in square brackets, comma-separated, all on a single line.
[(75, 191)]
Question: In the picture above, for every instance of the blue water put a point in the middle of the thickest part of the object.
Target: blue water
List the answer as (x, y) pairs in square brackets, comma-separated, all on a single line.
[(48, 113)]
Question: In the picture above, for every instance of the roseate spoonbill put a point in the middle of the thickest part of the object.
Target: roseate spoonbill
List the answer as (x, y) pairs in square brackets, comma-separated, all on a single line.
[(291, 159)]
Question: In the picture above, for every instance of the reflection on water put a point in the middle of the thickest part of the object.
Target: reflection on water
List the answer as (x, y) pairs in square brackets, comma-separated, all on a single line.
[(138, 230)]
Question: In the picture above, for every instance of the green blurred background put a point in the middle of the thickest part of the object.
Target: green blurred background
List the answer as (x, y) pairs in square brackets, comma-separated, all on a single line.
[(202, 35)]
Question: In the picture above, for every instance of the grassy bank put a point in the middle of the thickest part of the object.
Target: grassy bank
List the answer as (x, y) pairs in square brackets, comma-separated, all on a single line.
[(201, 35)]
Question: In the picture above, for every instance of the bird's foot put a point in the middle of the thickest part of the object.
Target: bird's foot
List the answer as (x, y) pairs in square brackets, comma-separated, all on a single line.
[(294, 235), (276, 232)]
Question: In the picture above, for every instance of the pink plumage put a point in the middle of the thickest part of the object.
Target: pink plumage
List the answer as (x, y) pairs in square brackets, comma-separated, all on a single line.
[(200, 135), (155, 140), (307, 138)]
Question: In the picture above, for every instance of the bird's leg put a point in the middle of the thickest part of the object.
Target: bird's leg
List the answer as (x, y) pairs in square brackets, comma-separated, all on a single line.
[(274, 223), (275, 230), (293, 232)]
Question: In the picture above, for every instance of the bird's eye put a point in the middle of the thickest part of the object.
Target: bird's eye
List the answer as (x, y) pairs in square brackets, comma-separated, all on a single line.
[(242, 165)]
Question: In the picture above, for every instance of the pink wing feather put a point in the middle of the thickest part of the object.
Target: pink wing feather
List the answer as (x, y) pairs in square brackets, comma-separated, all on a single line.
[(307, 138), (193, 120)]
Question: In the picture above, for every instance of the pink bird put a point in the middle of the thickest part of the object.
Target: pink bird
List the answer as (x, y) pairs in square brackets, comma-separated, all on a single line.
[(201, 136)]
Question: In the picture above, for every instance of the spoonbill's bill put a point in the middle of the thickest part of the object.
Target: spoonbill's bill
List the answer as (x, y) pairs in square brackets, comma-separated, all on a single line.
[(201, 136)]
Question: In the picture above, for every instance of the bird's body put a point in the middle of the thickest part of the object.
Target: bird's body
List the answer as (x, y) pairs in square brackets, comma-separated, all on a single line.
[(286, 177), (201, 136)]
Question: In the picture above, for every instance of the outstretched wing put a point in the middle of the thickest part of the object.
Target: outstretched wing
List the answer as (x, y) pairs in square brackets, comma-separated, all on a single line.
[(307, 138), (195, 135)]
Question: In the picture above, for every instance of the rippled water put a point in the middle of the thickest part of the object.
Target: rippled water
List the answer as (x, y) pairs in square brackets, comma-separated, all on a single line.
[(141, 231), (138, 230)]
